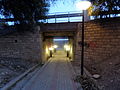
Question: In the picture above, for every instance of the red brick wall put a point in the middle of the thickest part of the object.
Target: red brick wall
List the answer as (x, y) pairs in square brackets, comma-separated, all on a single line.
[(102, 39)]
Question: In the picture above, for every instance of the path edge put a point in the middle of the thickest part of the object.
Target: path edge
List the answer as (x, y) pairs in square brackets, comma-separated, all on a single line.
[(9, 85)]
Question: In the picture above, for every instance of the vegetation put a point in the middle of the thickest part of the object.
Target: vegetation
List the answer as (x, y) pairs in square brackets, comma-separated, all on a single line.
[(28, 12), (104, 8), (24, 12)]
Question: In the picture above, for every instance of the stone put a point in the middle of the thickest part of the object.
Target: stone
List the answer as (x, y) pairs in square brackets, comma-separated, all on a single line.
[(96, 76), (110, 63), (111, 81)]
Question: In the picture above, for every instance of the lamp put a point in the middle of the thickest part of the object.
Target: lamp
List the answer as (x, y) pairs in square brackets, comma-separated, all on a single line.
[(67, 48), (83, 5), (51, 49), (55, 46)]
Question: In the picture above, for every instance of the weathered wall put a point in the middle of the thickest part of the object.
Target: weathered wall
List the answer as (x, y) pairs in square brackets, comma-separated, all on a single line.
[(25, 45), (71, 26), (102, 42), (101, 37), (47, 43)]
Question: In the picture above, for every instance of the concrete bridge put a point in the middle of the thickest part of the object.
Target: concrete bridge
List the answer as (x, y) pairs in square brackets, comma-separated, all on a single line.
[(50, 31), (68, 29), (68, 26), (59, 29)]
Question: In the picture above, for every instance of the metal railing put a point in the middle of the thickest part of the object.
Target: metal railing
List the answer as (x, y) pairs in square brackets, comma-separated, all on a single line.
[(63, 17), (56, 17)]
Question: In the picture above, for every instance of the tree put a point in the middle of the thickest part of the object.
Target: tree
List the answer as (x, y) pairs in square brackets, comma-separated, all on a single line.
[(24, 12), (105, 7)]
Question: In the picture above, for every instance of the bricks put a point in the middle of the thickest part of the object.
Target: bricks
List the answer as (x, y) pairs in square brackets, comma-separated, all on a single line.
[(105, 34), (25, 46)]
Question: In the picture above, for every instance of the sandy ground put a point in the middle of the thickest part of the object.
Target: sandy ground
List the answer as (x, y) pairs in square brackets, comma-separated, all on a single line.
[(10, 68), (108, 70)]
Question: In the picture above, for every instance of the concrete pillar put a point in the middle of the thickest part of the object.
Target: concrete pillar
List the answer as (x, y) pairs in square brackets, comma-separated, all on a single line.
[(86, 16)]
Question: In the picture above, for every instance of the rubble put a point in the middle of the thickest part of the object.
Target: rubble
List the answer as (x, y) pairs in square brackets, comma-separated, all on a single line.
[(86, 83), (10, 68), (96, 76)]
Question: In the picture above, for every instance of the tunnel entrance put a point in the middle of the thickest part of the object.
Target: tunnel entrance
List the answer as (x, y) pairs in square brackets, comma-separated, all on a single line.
[(53, 45), (60, 42)]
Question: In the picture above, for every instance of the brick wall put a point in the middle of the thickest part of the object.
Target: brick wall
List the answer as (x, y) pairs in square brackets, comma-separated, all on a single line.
[(25, 45), (102, 41)]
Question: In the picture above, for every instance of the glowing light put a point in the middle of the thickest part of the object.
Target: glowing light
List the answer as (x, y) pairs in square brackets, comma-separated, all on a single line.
[(61, 39), (51, 48), (83, 5), (55, 46), (67, 47), (47, 51)]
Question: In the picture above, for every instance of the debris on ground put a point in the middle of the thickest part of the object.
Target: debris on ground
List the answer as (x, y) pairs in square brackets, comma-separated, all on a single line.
[(10, 68), (96, 76), (86, 83), (105, 73)]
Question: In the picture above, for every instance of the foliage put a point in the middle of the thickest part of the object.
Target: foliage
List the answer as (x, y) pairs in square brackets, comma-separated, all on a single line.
[(105, 7), (24, 12)]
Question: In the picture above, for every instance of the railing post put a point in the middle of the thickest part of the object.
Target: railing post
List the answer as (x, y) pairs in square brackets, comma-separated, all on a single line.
[(47, 20), (68, 17), (55, 18)]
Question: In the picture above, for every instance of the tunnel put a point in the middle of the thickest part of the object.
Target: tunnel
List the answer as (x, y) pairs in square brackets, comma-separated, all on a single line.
[(57, 42)]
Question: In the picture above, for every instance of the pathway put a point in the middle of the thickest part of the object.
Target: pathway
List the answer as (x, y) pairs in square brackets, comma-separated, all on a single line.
[(56, 75)]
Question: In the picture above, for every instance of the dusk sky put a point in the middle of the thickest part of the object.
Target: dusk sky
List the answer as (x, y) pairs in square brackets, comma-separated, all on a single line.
[(64, 6)]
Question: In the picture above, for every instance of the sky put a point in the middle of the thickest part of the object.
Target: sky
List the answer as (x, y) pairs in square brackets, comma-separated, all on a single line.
[(64, 6)]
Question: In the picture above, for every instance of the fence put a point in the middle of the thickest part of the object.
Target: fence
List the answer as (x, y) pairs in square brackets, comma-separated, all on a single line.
[(63, 17)]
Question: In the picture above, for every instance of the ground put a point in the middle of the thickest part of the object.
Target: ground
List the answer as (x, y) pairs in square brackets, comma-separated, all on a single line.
[(56, 74), (10, 68), (110, 74), (109, 71)]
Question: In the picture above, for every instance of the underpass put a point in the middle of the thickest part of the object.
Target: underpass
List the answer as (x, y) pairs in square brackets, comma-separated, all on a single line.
[(57, 72)]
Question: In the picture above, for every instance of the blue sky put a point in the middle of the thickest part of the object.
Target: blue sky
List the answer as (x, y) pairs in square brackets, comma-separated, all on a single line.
[(63, 6)]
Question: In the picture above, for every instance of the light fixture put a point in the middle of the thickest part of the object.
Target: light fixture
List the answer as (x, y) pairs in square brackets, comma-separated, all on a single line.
[(55, 46), (51, 48), (83, 5), (66, 47)]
